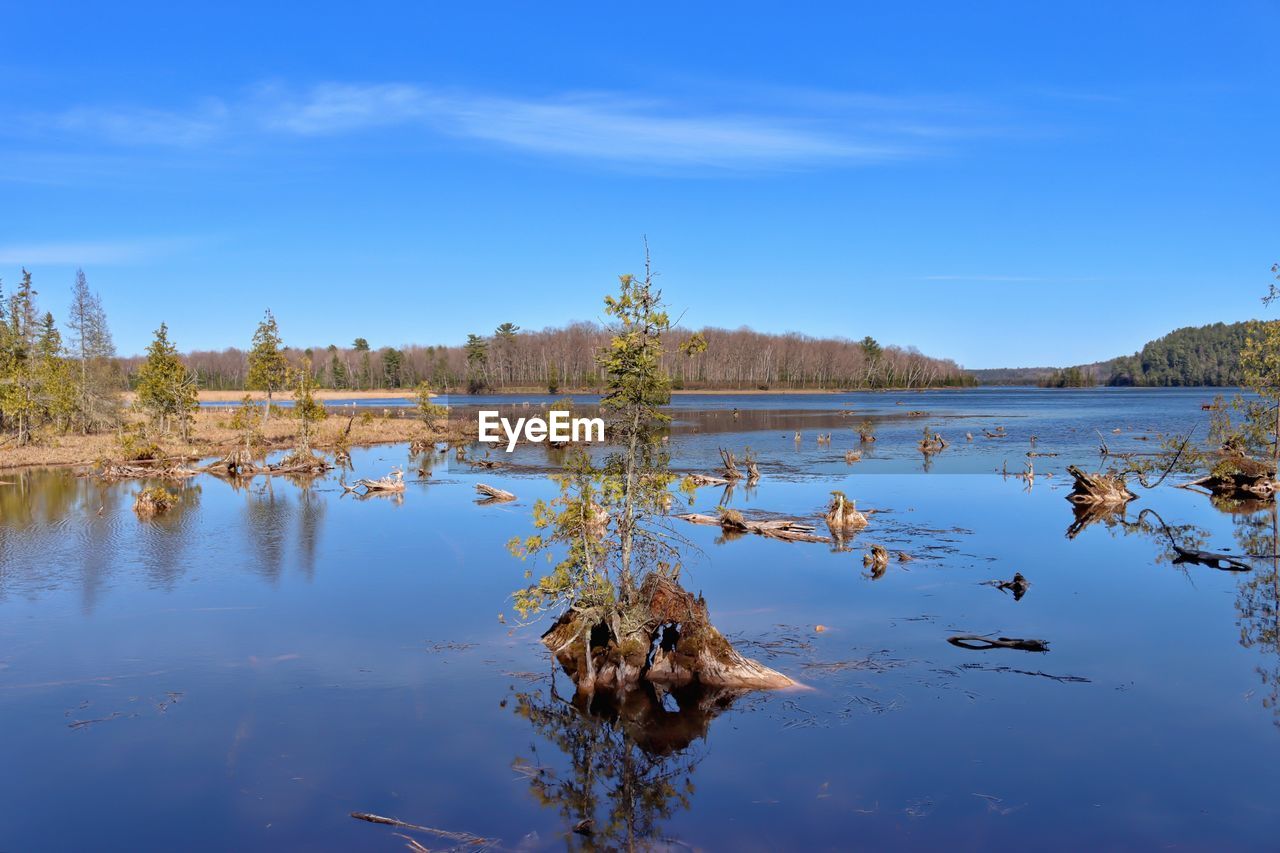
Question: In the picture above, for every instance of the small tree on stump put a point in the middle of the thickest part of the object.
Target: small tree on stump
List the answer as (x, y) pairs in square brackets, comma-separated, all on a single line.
[(626, 616), (306, 408)]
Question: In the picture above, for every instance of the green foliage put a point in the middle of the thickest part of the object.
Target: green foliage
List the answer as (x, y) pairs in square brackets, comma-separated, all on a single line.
[(574, 526), (306, 408), (553, 380), (268, 368), (247, 421), (428, 411), (1203, 355), (133, 446), (97, 395), (166, 390), (1072, 377), (602, 525)]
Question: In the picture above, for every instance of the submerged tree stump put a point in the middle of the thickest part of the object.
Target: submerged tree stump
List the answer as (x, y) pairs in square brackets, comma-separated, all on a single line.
[(1240, 477), (842, 517), (1098, 490), (664, 636)]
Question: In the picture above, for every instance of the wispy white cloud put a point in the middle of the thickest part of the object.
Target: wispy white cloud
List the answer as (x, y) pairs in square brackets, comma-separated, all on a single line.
[(982, 277), (125, 126), (601, 127), (100, 252)]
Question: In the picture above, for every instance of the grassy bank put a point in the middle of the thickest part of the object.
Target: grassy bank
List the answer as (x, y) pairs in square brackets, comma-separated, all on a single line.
[(212, 435)]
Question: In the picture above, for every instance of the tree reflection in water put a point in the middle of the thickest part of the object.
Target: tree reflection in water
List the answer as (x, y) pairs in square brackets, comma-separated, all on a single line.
[(1257, 529), (630, 762)]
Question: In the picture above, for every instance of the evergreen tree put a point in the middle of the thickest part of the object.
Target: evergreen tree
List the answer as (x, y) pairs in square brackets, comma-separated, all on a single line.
[(337, 369), (97, 385), (364, 377), (166, 389), (477, 350), (18, 393), (268, 369)]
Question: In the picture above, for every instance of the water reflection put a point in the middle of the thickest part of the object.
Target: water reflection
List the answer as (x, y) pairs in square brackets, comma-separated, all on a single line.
[(623, 766)]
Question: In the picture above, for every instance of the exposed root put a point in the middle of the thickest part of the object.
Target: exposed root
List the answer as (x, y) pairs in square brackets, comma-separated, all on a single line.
[(664, 637)]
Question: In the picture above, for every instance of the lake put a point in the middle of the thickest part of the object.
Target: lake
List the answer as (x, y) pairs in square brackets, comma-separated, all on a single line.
[(249, 669)]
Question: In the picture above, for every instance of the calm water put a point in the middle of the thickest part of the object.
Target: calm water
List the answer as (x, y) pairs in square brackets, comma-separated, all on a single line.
[(248, 670)]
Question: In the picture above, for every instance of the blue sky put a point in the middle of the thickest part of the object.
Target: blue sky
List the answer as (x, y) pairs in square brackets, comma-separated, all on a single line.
[(1001, 183)]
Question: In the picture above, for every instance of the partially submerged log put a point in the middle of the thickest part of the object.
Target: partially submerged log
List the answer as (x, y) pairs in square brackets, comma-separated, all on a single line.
[(732, 521), (705, 480), (978, 643), (1018, 585), (121, 471), (664, 637), (494, 495), (1239, 476), (390, 484), (1101, 490)]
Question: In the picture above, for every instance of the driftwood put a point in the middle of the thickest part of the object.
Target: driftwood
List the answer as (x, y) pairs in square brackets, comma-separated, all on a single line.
[(121, 471), (464, 837), (732, 521), (706, 480), (1018, 585), (393, 482), (494, 495), (977, 643)]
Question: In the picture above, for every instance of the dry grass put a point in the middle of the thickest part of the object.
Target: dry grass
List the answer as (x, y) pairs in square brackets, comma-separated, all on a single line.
[(211, 435)]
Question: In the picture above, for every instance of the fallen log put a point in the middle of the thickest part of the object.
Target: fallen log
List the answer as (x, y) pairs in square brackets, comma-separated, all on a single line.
[(732, 521), (493, 494), (465, 837), (977, 643), (705, 480), (1018, 585), (393, 482)]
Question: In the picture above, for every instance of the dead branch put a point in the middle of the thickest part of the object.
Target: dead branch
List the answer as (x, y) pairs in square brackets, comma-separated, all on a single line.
[(977, 643)]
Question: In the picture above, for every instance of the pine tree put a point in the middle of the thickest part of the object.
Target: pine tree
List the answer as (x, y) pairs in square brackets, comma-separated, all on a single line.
[(18, 393), (268, 369), (477, 350), (97, 386), (337, 370), (166, 389), (365, 374)]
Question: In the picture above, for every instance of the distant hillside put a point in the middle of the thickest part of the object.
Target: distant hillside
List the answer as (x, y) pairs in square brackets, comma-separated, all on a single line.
[(1196, 355)]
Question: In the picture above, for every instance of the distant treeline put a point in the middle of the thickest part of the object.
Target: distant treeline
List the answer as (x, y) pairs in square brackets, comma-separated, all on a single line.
[(552, 359), (1196, 355)]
